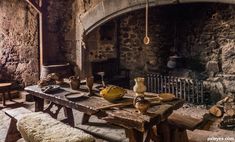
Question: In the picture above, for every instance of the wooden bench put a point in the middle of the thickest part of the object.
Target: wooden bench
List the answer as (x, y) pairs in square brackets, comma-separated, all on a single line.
[(179, 124), (38, 126), (12, 133)]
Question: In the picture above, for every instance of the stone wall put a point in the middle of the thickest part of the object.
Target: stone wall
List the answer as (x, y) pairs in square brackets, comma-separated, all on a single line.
[(18, 42), (62, 32), (207, 42), (19, 37), (202, 34), (101, 42), (133, 53)]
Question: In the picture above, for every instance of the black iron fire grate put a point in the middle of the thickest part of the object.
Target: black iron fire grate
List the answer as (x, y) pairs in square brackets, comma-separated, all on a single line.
[(190, 90)]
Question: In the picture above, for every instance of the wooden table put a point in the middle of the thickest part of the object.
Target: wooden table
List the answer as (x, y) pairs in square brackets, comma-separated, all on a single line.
[(138, 127), (5, 88)]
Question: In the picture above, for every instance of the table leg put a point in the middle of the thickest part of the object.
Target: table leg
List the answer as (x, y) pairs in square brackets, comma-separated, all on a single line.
[(134, 135), (164, 132), (147, 135), (3, 99), (179, 135), (68, 112), (9, 95), (85, 118), (39, 104)]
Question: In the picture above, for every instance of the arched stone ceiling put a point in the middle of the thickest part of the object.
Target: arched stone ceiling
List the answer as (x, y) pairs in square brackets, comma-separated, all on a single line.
[(108, 9)]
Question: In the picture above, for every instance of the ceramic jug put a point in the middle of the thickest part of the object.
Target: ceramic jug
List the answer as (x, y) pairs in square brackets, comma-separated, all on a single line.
[(141, 104), (139, 87), (74, 82)]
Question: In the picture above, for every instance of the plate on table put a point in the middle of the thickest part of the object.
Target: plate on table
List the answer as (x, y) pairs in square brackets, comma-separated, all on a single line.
[(167, 97), (74, 96), (50, 88)]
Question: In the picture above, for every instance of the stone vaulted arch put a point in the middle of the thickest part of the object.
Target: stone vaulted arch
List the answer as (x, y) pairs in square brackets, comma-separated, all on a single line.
[(109, 9)]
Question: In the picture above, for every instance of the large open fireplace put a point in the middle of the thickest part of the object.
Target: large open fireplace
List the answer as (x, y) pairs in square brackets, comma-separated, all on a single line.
[(189, 53), (193, 41)]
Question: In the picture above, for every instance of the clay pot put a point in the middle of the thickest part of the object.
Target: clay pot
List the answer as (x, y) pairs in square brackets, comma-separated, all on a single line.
[(74, 82), (139, 87), (174, 62), (141, 104)]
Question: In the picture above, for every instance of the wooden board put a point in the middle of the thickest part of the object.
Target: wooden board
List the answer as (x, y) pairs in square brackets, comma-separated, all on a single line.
[(15, 113), (184, 121)]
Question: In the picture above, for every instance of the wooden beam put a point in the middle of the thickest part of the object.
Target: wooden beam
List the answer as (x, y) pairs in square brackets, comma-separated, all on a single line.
[(41, 8), (34, 5), (43, 32)]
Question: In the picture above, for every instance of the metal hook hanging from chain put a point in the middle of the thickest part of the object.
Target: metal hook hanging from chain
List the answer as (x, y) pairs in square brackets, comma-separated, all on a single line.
[(146, 38)]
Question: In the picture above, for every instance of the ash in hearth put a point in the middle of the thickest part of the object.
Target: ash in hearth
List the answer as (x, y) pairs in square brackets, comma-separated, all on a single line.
[(225, 108)]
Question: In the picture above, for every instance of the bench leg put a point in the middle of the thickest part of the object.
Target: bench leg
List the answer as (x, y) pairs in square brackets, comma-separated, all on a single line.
[(9, 95), (85, 118), (12, 134), (68, 112)]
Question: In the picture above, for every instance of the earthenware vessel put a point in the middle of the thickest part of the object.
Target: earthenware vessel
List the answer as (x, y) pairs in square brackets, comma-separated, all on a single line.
[(139, 87), (74, 82), (89, 84), (102, 78), (141, 104)]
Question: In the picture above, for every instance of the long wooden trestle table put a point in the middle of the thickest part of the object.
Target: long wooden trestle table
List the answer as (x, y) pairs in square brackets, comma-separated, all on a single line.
[(138, 127)]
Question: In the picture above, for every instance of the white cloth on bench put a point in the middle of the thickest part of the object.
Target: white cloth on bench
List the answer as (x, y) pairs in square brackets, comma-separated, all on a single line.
[(41, 127)]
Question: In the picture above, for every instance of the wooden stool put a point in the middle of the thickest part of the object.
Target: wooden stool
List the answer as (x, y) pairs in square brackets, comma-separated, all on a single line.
[(5, 87)]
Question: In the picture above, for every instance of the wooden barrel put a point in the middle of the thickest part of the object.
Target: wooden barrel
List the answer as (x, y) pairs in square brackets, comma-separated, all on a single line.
[(65, 70)]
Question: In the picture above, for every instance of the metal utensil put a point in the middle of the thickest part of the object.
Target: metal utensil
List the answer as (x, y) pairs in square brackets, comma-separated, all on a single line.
[(146, 38)]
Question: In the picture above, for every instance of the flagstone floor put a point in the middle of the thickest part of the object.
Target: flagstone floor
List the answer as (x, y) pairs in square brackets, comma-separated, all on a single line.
[(116, 134)]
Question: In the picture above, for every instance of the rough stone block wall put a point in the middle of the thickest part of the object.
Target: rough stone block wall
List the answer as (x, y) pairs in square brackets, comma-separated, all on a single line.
[(62, 32), (133, 53), (19, 50), (101, 42), (18, 42), (203, 34)]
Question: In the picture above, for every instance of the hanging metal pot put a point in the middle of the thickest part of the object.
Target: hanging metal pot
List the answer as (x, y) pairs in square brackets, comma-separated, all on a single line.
[(174, 61)]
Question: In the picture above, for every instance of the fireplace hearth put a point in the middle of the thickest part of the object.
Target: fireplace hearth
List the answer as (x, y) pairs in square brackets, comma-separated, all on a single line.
[(201, 34)]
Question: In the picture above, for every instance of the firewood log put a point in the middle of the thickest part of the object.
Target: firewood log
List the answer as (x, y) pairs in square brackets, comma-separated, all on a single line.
[(220, 103), (230, 112), (216, 111), (226, 99)]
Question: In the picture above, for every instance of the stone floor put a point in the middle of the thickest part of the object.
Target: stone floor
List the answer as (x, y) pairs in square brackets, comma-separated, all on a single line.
[(116, 134), (95, 127)]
